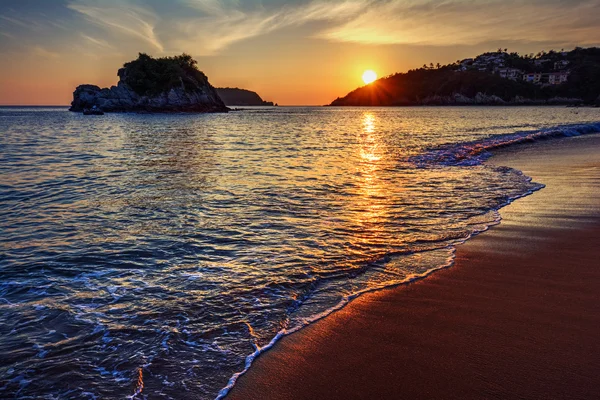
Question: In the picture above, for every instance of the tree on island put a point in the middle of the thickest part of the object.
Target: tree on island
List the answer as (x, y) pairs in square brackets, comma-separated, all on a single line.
[(149, 76)]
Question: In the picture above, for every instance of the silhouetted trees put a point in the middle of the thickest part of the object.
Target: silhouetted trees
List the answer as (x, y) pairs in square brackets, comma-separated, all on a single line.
[(149, 76), (584, 80), (448, 80)]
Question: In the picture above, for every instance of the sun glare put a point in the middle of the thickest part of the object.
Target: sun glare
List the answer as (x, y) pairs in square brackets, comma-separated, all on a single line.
[(369, 76)]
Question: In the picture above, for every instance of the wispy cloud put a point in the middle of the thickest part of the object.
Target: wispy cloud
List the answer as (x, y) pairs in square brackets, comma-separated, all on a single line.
[(8, 35), (21, 21), (122, 17), (15, 21), (97, 42), (222, 24), (469, 22), (41, 52), (206, 27)]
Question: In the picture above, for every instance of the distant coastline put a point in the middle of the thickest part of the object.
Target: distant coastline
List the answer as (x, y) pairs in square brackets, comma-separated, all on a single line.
[(474, 104), (242, 97), (34, 106)]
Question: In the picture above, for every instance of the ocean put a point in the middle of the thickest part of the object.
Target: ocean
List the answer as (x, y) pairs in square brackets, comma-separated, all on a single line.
[(154, 256)]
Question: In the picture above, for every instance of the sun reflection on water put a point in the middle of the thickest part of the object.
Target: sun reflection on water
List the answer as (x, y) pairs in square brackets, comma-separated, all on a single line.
[(369, 141), (370, 204)]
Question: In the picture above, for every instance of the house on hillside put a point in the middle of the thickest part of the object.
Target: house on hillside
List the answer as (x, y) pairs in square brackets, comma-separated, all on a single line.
[(534, 77), (489, 61), (465, 64), (562, 64), (556, 78), (540, 62), (513, 74), (551, 78)]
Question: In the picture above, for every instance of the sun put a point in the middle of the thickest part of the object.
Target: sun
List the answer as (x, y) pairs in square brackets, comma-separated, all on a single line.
[(369, 76)]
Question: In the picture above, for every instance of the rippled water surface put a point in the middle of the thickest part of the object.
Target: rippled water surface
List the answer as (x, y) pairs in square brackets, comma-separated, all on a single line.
[(149, 255)]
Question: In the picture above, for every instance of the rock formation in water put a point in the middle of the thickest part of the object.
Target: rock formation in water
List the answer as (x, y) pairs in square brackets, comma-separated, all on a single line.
[(169, 84), (241, 97)]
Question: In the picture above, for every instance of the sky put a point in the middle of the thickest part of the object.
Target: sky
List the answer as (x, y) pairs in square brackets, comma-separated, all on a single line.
[(302, 52)]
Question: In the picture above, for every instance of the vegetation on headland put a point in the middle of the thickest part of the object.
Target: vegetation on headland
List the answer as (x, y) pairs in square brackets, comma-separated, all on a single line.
[(491, 78), (149, 76), (241, 97)]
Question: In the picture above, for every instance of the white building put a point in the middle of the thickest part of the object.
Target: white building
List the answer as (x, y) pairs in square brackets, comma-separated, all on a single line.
[(510, 73), (465, 64), (489, 61), (534, 77), (541, 62), (556, 78), (552, 78), (561, 65)]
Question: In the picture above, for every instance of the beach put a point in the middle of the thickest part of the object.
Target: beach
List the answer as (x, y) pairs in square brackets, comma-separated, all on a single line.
[(516, 316)]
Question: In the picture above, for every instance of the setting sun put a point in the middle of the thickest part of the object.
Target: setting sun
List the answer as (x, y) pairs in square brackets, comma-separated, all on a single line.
[(369, 76)]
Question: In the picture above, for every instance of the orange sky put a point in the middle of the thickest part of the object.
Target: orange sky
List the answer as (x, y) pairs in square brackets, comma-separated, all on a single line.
[(304, 52)]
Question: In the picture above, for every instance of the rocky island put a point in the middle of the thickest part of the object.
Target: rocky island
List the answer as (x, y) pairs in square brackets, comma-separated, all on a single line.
[(147, 84)]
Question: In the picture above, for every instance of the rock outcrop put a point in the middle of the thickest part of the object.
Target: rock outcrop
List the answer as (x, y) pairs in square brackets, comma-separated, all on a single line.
[(185, 90)]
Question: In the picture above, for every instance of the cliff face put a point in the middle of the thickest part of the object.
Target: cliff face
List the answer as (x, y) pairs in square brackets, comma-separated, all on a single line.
[(153, 85), (241, 97)]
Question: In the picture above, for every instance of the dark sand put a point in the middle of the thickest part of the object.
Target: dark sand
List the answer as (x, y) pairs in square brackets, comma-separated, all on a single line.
[(516, 317)]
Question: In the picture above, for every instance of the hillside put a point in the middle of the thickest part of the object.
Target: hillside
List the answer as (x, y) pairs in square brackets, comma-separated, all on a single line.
[(241, 97), (491, 78)]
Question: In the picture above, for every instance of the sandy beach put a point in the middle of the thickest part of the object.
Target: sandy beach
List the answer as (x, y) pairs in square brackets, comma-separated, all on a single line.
[(517, 316)]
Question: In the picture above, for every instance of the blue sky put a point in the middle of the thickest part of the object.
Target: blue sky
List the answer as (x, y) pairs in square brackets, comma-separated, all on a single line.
[(293, 52)]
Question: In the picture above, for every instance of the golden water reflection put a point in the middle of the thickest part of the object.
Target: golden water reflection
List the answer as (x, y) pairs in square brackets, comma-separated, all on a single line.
[(369, 143), (372, 204)]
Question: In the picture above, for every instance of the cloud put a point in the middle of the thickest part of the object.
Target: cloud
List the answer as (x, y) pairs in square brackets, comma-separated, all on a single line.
[(22, 22), (15, 21), (41, 52), (223, 24), (98, 42), (122, 17), (207, 27), (8, 35), (469, 22)]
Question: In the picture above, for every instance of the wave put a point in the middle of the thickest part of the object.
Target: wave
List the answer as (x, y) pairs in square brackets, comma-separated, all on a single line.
[(475, 152), (451, 249), (341, 304), (463, 154)]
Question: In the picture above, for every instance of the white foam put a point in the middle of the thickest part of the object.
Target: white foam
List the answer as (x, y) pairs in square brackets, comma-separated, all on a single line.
[(475, 152), (386, 285)]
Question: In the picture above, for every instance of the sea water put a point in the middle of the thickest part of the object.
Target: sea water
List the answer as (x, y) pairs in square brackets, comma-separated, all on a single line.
[(153, 256)]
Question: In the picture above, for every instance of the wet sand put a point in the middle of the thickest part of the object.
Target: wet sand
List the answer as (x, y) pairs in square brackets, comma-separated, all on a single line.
[(516, 317)]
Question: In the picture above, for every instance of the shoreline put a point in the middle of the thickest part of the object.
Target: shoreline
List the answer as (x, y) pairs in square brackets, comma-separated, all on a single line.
[(292, 357), (510, 105)]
